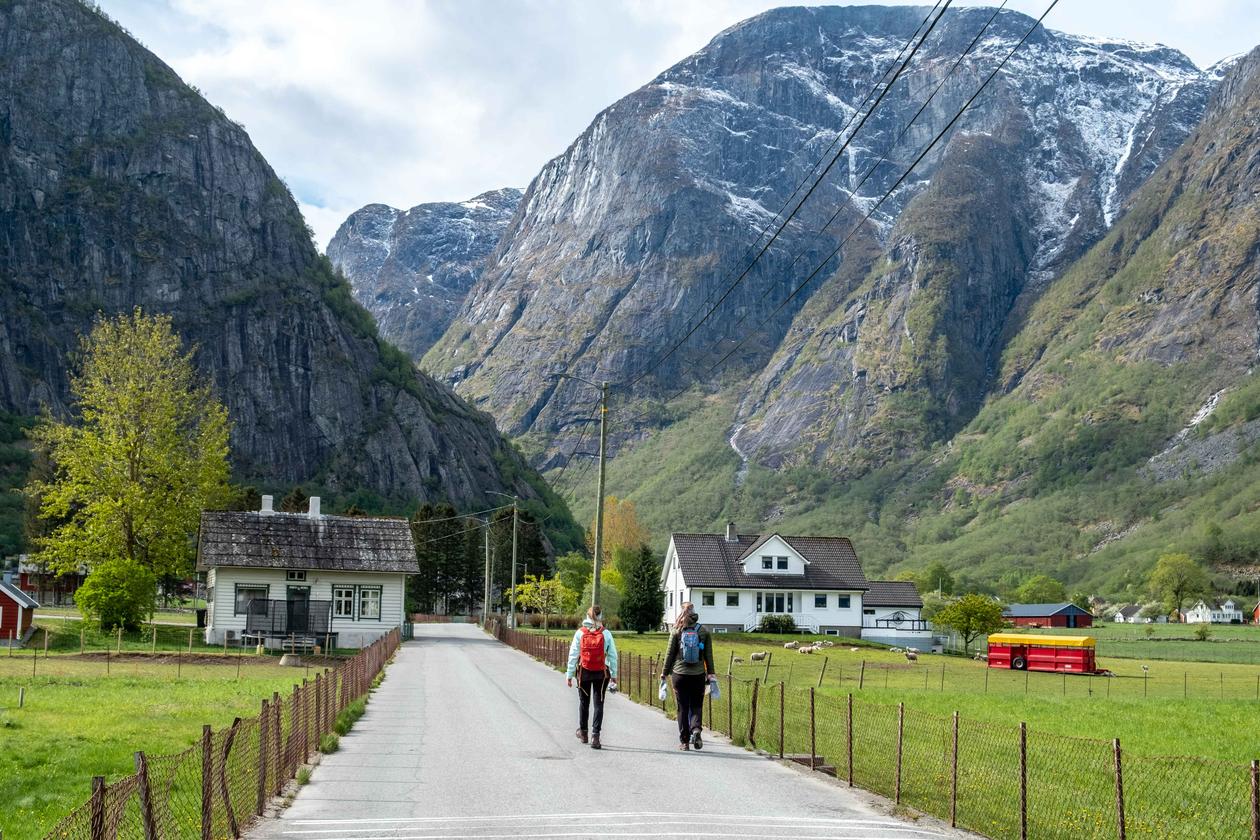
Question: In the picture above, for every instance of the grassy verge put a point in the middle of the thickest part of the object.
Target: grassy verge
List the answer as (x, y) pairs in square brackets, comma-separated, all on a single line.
[(78, 722)]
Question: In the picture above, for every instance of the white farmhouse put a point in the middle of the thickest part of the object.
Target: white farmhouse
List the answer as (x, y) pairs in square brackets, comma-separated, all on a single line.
[(1214, 612), (304, 577), (1131, 614), (735, 580)]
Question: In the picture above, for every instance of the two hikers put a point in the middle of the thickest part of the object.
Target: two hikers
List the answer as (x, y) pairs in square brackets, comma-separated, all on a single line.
[(689, 665), (593, 662)]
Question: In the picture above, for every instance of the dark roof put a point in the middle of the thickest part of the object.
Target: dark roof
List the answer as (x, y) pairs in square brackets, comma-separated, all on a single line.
[(18, 596), (710, 560), (1130, 611), (1038, 610), (892, 593), (300, 541)]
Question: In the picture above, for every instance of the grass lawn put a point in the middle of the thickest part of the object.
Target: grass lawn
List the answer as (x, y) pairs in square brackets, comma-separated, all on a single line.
[(1211, 703), (78, 722), (161, 616), (72, 636)]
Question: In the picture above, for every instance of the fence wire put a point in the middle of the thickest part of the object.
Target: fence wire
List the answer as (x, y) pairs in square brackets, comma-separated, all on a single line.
[(218, 786)]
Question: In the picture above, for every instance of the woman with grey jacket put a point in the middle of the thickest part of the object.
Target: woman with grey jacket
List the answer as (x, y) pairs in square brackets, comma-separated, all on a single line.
[(689, 666)]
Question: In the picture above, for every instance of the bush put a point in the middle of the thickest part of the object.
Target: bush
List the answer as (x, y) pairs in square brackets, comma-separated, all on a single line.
[(330, 743), (1203, 632), (776, 624), (349, 716), (303, 775), (118, 593)]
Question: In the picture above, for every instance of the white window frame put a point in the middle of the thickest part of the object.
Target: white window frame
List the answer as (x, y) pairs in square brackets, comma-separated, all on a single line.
[(237, 608), (732, 596), (708, 599), (359, 603), (781, 564), (767, 563), (817, 597), (353, 600), (843, 602), (295, 575)]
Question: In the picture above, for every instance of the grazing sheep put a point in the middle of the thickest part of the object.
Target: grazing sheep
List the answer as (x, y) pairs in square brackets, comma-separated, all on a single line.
[(911, 656), (824, 643), (738, 661), (757, 656), (805, 649), (790, 645), (853, 650)]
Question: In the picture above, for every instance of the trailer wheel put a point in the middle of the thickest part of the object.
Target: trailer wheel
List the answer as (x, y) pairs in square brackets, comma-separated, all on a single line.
[(1019, 663)]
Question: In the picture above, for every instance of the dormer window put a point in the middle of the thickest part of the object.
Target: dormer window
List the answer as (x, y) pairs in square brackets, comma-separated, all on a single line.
[(782, 563), (767, 562)]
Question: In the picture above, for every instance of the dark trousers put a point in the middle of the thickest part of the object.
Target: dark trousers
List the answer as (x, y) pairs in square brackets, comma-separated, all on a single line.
[(689, 694), (591, 686)]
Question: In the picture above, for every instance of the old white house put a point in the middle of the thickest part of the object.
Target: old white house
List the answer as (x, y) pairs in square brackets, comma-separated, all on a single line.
[(1215, 612), (737, 579), (305, 577)]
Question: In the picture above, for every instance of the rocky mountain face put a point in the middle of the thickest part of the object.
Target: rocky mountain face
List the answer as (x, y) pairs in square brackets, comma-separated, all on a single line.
[(412, 268), (121, 187), (653, 211)]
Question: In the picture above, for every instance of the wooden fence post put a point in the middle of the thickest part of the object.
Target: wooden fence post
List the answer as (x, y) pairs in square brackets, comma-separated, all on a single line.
[(1023, 781), (98, 808), (730, 706), (277, 721), (901, 729), (765, 678), (813, 738), (862, 675), (1255, 799), (953, 777), (262, 760), (752, 715), (223, 780), (1115, 745), (780, 718), (822, 673), (849, 737), (207, 781), (146, 797)]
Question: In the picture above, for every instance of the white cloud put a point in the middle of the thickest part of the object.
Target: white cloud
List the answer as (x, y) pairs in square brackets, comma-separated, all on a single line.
[(401, 102)]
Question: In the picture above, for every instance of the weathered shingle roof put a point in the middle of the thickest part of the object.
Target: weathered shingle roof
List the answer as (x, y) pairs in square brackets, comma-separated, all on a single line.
[(892, 593), (299, 541), (1130, 610), (710, 560), (1037, 610), (18, 596)]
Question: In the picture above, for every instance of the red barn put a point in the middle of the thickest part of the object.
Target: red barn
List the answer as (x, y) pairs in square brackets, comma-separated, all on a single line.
[(17, 611), (1047, 615)]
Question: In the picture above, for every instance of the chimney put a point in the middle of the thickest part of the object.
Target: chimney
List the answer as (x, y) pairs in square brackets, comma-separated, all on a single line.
[(266, 505), (313, 513), (731, 535)]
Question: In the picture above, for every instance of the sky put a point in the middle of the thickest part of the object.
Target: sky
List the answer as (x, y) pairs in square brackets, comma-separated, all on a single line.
[(403, 102)]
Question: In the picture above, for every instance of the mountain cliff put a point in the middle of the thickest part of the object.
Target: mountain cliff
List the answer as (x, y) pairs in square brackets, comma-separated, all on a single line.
[(655, 208), (412, 268), (122, 187)]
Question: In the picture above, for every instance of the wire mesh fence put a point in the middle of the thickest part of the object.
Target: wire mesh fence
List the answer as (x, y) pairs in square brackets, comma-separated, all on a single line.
[(215, 788), (998, 780)]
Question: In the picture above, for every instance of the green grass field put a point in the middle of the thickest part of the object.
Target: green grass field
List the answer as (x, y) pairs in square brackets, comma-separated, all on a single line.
[(78, 721), (161, 616), (1210, 702)]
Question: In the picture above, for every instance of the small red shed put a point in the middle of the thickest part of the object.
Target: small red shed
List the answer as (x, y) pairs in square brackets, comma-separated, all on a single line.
[(1029, 652), (17, 611), (1047, 615)]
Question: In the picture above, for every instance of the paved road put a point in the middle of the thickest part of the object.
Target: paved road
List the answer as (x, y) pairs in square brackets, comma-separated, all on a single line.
[(467, 738)]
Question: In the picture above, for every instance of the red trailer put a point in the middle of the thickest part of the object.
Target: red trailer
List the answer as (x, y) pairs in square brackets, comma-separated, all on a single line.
[(1024, 651)]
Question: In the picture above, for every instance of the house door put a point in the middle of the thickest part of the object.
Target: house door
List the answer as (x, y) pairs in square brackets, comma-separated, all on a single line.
[(298, 600)]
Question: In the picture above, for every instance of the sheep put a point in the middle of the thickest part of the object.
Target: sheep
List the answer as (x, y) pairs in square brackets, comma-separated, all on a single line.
[(805, 649), (790, 645), (911, 656), (738, 660), (981, 657), (825, 643), (854, 650), (757, 655)]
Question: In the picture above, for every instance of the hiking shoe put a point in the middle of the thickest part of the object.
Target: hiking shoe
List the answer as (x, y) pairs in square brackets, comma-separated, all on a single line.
[(684, 746), (696, 741), (581, 736), (595, 742)]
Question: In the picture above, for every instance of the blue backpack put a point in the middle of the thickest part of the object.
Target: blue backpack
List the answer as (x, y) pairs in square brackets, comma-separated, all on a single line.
[(690, 645)]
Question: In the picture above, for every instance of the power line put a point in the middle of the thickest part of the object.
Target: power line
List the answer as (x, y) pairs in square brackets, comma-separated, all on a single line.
[(731, 288), (904, 175), (460, 515)]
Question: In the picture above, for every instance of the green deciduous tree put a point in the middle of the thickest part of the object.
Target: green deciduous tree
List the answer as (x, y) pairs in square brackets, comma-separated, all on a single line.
[(1041, 589), (934, 578), (540, 594), (145, 452), (1176, 579), (574, 569), (642, 603), (118, 592), (971, 616)]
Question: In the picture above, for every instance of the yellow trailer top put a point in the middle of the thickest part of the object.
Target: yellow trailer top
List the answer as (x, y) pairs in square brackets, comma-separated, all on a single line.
[(1041, 639)]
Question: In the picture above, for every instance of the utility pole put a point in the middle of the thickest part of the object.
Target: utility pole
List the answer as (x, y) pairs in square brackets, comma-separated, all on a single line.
[(515, 522), (599, 501), (485, 603)]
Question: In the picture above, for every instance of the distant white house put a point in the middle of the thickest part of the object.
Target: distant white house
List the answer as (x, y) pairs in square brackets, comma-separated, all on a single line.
[(735, 580), (1214, 612), (272, 576), (1131, 614)]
